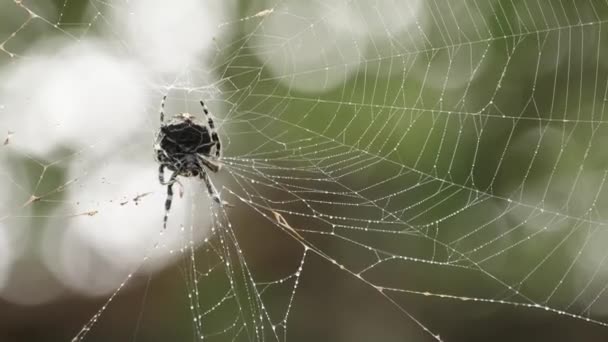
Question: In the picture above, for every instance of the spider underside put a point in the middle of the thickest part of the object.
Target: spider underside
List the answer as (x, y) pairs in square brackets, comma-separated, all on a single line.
[(188, 148)]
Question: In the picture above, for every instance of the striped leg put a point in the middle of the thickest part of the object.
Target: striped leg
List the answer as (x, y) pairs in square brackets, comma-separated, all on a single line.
[(162, 109), (211, 165), (212, 191), (211, 188), (169, 185), (168, 204), (161, 175), (213, 132)]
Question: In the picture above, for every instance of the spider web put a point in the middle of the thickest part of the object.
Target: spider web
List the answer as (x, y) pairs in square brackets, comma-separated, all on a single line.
[(398, 170)]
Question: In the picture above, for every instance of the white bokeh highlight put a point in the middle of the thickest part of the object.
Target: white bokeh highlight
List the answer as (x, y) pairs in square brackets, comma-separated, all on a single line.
[(377, 19), (94, 253), (169, 38), (76, 97), (299, 47)]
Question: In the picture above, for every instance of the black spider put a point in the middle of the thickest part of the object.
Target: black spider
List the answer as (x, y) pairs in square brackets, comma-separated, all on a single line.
[(187, 147)]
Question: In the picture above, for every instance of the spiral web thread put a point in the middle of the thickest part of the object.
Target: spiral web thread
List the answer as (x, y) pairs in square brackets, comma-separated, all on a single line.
[(468, 147)]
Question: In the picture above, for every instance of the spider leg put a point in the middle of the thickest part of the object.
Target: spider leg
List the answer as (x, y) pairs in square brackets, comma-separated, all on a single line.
[(162, 109), (161, 176), (169, 185), (212, 191), (214, 136), (210, 164), (210, 188), (168, 204)]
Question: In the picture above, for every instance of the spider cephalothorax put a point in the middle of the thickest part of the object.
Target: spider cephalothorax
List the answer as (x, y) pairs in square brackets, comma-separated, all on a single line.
[(187, 147)]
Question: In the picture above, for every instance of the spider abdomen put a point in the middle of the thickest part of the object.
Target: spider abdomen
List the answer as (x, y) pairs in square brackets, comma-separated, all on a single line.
[(186, 138)]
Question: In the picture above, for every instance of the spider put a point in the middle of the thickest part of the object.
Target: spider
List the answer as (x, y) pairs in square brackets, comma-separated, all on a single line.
[(188, 147)]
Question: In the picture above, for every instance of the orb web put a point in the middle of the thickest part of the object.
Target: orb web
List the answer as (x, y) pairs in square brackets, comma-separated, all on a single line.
[(388, 162)]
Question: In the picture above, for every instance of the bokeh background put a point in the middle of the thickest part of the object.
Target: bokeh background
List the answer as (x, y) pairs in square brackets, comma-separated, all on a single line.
[(399, 170)]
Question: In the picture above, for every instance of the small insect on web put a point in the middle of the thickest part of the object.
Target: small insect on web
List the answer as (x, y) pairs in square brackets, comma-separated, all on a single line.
[(188, 147)]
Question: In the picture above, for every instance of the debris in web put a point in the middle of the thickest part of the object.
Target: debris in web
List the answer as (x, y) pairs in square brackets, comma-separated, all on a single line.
[(137, 198), (9, 135)]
